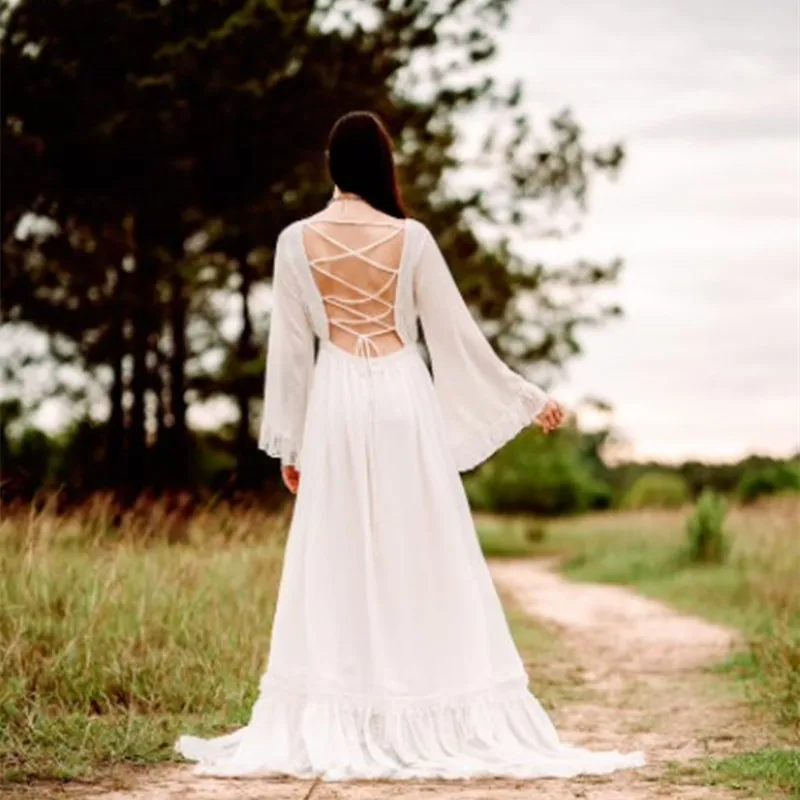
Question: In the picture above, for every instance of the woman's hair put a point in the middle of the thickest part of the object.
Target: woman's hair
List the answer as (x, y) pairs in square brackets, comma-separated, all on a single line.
[(360, 161)]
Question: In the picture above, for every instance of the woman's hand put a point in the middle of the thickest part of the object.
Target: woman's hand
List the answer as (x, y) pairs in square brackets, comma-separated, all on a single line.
[(291, 478), (551, 417)]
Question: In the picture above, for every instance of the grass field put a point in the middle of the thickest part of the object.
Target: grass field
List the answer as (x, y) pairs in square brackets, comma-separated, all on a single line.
[(118, 634), (756, 590), (116, 638)]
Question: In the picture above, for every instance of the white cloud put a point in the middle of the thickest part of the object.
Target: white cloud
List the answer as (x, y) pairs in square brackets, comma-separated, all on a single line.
[(706, 214)]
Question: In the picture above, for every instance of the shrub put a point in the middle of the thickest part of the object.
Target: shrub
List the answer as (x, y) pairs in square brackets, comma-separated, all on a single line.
[(657, 490), (705, 529), (537, 474), (762, 481)]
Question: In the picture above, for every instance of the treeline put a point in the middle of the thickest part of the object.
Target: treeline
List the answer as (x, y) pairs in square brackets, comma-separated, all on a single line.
[(564, 473), (72, 465), (151, 153)]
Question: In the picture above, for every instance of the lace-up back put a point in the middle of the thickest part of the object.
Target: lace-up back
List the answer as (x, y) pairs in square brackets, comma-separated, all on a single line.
[(355, 266)]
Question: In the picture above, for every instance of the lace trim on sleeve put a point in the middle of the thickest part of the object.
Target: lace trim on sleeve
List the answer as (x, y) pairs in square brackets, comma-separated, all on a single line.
[(276, 445), (474, 449)]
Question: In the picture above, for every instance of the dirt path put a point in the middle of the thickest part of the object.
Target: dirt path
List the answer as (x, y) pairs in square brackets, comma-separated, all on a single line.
[(643, 670)]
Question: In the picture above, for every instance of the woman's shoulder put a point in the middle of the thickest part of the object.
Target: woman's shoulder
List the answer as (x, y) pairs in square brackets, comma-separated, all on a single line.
[(291, 229), (290, 238), (418, 234)]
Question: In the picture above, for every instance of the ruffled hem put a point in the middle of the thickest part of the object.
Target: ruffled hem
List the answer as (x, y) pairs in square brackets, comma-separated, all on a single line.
[(277, 446), (475, 449), (499, 732)]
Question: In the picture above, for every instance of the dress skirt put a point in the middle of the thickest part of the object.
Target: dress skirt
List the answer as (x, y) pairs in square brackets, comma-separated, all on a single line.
[(391, 656)]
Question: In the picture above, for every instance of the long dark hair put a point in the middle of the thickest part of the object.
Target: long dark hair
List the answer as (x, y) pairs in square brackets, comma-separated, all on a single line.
[(360, 161)]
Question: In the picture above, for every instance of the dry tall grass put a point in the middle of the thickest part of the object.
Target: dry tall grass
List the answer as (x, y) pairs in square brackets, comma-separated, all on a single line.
[(117, 631)]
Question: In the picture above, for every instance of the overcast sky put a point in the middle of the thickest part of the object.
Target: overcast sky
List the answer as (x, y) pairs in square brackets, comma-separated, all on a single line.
[(706, 97)]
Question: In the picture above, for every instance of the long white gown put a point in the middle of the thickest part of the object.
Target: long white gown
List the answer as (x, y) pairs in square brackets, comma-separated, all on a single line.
[(390, 656)]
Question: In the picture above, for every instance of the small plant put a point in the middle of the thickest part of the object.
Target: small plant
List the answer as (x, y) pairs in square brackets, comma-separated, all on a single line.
[(533, 531), (705, 529)]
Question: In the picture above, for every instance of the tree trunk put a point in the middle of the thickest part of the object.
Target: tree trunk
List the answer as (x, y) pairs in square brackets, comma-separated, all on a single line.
[(116, 421), (178, 440), (244, 354), (143, 276), (160, 471)]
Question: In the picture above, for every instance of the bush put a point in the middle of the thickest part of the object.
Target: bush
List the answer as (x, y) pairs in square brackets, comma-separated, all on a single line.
[(705, 529), (764, 481), (657, 490), (537, 474)]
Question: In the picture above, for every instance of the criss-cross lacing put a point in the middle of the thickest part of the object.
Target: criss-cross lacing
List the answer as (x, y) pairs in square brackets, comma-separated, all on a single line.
[(383, 320)]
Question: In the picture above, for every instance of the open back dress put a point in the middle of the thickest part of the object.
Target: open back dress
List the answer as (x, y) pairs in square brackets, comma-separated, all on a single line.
[(390, 656)]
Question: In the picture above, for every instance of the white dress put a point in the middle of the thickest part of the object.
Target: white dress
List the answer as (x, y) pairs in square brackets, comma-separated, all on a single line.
[(390, 655)]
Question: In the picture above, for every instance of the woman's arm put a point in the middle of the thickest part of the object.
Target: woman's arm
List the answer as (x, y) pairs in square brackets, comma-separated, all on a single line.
[(290, 364), (485, 403)]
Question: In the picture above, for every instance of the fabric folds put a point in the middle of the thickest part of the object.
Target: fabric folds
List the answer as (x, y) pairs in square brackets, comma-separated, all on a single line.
[(498, 731)]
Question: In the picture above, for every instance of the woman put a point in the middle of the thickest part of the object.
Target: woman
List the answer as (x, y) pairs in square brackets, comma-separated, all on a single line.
[(390, 655)]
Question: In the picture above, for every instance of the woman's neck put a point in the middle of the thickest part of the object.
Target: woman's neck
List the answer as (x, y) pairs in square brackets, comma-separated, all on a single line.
[(338, 194)]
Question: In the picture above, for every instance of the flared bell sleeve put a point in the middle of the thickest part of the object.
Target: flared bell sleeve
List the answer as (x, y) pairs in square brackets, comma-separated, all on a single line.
[(290, 364), (484, 402)]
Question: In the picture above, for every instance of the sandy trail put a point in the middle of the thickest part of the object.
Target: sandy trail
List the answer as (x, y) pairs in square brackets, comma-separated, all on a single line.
[(645, 687)]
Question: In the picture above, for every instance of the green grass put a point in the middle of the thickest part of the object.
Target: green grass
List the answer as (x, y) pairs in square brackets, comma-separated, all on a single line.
[(510, 536), (756, 590), (764, 773)]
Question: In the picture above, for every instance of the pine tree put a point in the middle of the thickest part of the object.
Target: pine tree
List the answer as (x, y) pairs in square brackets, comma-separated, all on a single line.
[(168, 143)]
